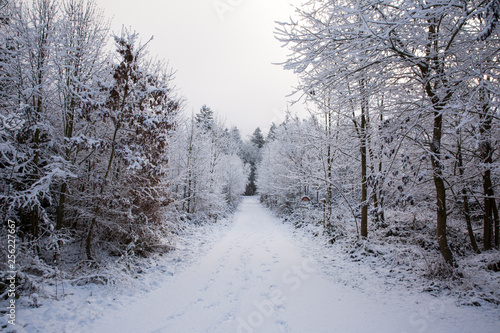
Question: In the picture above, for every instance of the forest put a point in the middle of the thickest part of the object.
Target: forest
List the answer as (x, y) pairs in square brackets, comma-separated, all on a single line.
[(100, 163), (98, 159), (403, 127)]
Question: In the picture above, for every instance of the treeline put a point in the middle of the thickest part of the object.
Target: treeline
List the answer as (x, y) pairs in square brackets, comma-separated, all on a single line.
[(94, 149), (207, 175), (404, 120)]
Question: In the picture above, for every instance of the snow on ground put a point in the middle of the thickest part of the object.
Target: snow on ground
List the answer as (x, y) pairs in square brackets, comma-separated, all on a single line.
[(256, 275)]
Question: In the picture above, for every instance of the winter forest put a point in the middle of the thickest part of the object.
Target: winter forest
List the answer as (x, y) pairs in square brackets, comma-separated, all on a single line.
[(95, 148), (397, 159)]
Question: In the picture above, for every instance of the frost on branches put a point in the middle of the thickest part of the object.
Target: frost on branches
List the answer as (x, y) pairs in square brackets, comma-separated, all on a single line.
[(403, 98), (207, 176), (95, 160)]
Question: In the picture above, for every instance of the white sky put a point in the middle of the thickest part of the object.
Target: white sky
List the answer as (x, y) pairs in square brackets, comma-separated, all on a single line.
[(223, 57)]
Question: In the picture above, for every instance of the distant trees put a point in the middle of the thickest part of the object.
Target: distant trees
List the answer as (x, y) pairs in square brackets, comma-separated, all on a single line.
[(206, 174), (418, 84), (251, 155), (304, 161)]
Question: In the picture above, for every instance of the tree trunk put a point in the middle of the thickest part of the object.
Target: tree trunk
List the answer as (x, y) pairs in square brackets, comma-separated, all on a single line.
[(34, 221), (497, 224), (438, 104), (69, 120), (437, 167), (361, 132), (364, 189), (468, 221), (376, 195), (88, 243), (488, 211), (60, 207), (97, 208), (329, 162), (486, 155), (35, 211), (363, 138), (465, 199)]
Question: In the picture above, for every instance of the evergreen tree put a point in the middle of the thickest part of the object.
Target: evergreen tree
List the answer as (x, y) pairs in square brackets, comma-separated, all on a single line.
[(252, 156), (257, 138), (205, 118)]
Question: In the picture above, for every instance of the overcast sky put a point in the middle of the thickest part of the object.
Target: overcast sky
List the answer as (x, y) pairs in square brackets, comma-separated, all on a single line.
[(222, 50)]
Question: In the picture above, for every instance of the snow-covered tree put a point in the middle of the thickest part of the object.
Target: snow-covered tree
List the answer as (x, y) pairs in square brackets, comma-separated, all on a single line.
[(251, 155), (207, 175), (138, 116), (30, 166), (416, 64), (79, 58), (85, 132), (305, 162), (205, 118)]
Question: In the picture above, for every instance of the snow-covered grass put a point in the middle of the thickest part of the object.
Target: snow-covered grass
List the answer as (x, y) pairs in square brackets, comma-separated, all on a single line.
[(404, 252)]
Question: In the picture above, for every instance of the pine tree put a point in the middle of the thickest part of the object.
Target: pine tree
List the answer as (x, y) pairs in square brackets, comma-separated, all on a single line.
[(205, 118), (257, 138), (252, 157)]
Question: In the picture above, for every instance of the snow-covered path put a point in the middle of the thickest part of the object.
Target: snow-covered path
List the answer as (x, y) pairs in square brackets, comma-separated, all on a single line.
[(255, 279)]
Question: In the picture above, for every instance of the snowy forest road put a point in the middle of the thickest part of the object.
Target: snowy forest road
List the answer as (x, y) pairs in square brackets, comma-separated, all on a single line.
[(257, 279)]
